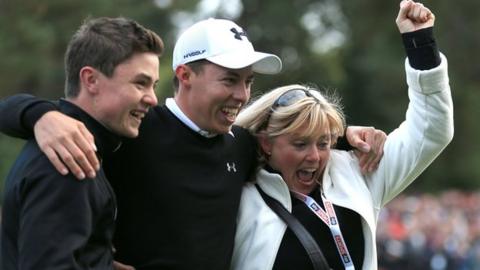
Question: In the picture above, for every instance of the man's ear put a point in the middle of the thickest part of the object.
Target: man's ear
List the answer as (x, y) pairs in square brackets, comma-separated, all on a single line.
[(184, 75), (89, 79), (265, 144)]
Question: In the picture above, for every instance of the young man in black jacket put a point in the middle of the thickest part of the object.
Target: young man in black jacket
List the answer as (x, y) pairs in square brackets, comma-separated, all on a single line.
[(178, 184), (52, 221)]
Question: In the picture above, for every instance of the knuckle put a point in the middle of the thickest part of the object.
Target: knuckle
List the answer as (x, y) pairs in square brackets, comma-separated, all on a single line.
[(79, 157), (53, 157), (43, 145), (63, 137), (90, 153), (68, 159), (46, 141), (81, 125)]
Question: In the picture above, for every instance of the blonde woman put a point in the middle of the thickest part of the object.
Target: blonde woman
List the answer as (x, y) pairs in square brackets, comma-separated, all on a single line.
[(324, 189)]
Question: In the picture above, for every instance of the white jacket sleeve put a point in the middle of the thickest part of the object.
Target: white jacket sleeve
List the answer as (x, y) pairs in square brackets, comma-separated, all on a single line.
[(426, 131)]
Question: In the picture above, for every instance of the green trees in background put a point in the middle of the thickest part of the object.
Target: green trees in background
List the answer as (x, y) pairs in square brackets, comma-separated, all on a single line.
[(350, 46)]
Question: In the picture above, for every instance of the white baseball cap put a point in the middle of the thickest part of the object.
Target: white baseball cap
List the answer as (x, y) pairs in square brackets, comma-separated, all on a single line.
[(224, 43)]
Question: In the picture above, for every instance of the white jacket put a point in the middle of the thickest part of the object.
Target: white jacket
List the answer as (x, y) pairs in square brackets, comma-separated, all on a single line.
[(409, 149)]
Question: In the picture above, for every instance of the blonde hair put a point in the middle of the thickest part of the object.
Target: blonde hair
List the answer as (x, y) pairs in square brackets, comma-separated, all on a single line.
[(318, 113)]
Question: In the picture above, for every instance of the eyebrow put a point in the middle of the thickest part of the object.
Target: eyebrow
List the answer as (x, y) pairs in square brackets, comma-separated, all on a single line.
[(323, 137), (143, 76), (326, 136), (236, 74), (232, 73)]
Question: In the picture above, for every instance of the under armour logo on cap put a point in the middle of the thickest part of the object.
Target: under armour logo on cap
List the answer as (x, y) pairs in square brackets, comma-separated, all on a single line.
[(238, 35)]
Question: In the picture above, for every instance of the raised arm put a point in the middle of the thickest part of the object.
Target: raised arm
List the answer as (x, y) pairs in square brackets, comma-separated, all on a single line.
[(428, 127), (65, 141), (415, 23)]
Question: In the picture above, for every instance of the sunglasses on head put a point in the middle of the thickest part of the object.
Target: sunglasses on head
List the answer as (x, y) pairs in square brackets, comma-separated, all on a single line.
[(288, 98), (291, 96)]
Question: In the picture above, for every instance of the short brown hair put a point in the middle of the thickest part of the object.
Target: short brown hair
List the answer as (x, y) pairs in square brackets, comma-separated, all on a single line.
[(103, 43)]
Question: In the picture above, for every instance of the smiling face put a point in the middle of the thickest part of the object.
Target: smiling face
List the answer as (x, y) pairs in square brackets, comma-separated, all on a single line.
[(213, 96), (300, 160), (124, 98)]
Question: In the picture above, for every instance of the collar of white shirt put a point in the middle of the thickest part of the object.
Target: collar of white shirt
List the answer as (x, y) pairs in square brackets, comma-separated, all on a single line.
[(173, 107)]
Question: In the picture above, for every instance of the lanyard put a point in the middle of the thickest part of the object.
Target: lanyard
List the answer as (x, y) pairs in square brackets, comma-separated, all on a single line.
[(330, 219)]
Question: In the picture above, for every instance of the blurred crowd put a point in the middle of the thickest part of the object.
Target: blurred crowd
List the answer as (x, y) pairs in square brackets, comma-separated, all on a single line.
[(430, 232)]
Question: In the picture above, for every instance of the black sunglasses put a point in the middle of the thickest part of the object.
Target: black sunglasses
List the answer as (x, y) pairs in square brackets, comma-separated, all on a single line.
[(288, 98)]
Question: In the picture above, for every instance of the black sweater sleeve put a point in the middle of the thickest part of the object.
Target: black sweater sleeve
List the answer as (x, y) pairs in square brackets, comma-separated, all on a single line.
[(343, 144), (19, 113)]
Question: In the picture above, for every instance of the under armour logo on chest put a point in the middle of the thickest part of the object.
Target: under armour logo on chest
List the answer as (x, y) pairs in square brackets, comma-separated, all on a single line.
[(231, 167), (238, 35)]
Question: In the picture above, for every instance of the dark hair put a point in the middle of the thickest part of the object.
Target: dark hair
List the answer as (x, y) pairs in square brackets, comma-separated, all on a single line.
[(196, 66), (103, 43)]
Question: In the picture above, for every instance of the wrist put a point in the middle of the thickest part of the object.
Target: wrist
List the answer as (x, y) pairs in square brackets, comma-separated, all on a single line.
[(421, 49), (35, 111)]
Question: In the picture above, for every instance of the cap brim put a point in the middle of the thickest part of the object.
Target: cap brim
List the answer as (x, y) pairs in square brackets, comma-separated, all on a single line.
[(264, 63)]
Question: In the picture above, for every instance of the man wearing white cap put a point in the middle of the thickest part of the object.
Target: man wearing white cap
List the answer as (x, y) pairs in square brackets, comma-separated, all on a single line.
[(214, 63), (178, 184)]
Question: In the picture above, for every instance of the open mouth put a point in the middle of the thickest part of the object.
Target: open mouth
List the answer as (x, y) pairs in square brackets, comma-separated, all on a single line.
[(138, 115), (230, 113), (307, 176)]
